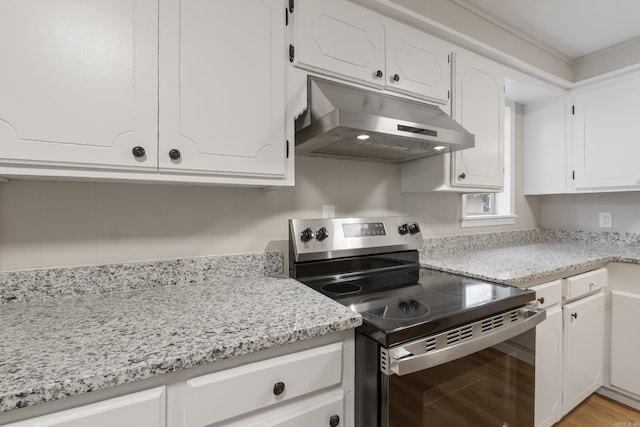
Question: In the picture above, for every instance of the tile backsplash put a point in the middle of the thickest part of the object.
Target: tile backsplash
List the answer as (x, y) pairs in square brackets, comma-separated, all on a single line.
[(57, 224), (580, 211)]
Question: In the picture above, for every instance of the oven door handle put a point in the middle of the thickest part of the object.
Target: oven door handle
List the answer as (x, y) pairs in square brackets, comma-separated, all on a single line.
[(463, 341)]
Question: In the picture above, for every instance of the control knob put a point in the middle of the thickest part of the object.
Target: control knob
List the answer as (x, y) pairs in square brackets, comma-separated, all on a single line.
[(414, 228), (306, 235), (403, 229), (322, 234)]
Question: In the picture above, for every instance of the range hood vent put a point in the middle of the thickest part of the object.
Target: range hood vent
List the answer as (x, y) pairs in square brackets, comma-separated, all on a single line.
[(349, 122)]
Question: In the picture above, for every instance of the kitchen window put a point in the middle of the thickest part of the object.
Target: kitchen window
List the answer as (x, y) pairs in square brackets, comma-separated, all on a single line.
[(487, 209)]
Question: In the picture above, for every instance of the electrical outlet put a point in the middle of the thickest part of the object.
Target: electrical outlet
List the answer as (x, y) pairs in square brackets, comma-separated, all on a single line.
[(605, 220), (328, 211)]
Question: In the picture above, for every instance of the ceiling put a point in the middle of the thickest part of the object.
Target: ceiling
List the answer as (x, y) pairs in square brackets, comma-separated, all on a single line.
[(570, 29)]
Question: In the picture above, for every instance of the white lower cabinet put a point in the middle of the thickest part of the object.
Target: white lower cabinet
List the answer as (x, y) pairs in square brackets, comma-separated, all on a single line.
[(570, 344), (217, 397), (584, 349), (142, 409), (548, 394), (548, 403), (625, 341), (308, 383)]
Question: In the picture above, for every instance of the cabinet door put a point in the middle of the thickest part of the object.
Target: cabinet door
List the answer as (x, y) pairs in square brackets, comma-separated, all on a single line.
[(625, 341), (143, 409), (583, 348), (605, 138), (222, 87), (479, 108), (78, 83), (417, 64), (545, 148), (548, 401), (339, 37)]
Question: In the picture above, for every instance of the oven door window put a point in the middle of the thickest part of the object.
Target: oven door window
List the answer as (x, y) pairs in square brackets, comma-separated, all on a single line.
[(493, 387)]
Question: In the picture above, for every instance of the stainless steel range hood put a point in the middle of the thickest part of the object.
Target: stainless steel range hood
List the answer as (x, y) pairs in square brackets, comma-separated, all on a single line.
[(350, 122)]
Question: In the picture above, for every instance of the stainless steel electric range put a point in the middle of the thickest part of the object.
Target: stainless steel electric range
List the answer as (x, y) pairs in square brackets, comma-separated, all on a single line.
[(434, 348)]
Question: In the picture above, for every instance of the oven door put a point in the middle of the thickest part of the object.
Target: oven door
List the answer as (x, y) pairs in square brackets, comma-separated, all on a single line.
[(467, 380)]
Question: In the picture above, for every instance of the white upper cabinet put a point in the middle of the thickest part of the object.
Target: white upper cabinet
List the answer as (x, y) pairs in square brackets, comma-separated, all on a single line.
[(222, 87), (479, 108), (79, 83), (545, 148), (606, 144), (145, 90), (478, 105), (340, 37), (417, 64), (350, 42)]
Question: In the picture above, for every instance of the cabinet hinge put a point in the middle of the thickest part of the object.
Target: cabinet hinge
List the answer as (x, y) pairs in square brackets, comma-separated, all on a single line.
[(573, 175), (287, 149), (573, 110), (286, 17), (449, 59), (448, 94), (290, 6), (292, 53)]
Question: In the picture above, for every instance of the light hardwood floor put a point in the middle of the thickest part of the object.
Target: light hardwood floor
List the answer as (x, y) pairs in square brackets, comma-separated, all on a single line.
[(599, 411)]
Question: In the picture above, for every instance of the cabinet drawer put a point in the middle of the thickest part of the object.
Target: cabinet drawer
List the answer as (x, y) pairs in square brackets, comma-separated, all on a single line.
[(142, 409), (548, 294), (219, 396), (584, 283)]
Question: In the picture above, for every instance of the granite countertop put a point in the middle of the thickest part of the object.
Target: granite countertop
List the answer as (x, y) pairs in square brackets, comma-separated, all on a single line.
[(57, 347), (524, 257)]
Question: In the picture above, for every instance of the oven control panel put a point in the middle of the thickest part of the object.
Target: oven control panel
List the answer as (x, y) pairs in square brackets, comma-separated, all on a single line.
[(322, 238)]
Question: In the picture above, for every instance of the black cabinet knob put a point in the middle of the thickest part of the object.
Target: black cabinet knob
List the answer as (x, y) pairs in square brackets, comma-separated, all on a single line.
[(396, 78), (334, 420), (574, 315), (462, 175), (541, 300), (174, 154), (138, 152), (278, 388), (379, 74)]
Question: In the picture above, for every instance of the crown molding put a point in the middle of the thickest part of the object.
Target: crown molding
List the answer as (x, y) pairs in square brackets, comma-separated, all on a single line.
[(513, 30)]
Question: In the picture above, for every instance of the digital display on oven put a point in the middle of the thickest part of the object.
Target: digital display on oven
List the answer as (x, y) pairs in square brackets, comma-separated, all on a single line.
[(364, 229)]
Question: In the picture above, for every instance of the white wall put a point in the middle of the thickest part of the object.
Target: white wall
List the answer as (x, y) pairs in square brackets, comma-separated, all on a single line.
[(51, 224), (580, 211)]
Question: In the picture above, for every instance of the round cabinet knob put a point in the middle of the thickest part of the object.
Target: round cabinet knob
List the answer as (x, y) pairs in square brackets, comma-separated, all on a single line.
[(379, 74), (462, 175), (138, 152), (396, 78), (403, 229), (334, 420), (414, 228), (278, 388), (574, 315), (322, 234), (541, 300), (306, 235), (174, 154)]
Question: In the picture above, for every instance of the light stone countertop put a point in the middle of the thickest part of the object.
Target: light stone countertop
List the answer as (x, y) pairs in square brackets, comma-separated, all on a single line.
[(532, 258), (57, 347)]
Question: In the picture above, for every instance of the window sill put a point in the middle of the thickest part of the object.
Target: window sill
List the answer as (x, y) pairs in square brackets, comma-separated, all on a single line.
[(487, 221)]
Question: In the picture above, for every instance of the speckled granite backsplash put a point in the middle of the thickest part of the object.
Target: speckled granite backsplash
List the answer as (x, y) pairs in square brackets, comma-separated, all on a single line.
[(472, 242), (33, 285)]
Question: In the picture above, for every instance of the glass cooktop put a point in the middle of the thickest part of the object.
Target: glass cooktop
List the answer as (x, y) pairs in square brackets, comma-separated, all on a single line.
[(399, 306)]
